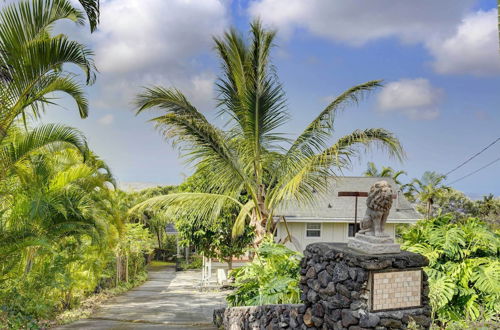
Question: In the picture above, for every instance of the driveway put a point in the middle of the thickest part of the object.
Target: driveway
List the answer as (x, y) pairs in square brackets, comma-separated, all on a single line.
[(167, 300)]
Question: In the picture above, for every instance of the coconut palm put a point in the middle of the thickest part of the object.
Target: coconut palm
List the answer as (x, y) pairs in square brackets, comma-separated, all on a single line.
[(249, 156), (429, 188), (32, 60)]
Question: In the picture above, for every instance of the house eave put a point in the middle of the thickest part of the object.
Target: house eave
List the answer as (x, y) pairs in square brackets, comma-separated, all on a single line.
[(342, 220)]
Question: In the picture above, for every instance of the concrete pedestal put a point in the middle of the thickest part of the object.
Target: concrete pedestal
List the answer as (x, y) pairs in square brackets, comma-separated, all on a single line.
[(373, 244)]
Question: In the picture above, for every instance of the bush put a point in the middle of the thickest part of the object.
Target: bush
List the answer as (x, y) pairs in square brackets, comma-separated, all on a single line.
[(271, 278), (464, 267), (196, 262)]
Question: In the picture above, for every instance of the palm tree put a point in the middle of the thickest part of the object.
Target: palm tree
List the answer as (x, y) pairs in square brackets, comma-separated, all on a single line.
[(32, 60), (249, 157), (51, 197), (385, 172), (20, 144), (429, 188)]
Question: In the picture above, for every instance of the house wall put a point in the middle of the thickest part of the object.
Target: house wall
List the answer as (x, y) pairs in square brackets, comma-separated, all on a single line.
[(332, 232)]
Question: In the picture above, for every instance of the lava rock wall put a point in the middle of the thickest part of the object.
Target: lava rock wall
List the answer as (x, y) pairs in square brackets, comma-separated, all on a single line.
[(335, 294)]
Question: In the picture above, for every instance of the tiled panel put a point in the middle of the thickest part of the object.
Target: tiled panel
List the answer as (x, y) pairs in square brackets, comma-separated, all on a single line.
[(395, 290)]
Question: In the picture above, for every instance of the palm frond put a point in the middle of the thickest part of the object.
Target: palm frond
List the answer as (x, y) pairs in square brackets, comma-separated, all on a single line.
[(21, 144), (91, 8), (204, 206), (315, 137), (239, 223)]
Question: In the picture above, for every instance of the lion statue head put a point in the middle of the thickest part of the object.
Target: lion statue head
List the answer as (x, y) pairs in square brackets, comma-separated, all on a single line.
[(380, 196)]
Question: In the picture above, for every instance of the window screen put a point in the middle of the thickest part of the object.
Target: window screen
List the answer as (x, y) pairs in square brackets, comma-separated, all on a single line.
[(313, 230)]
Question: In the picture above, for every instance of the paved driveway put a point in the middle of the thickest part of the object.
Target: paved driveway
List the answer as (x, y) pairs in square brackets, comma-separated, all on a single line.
[(168, 300)]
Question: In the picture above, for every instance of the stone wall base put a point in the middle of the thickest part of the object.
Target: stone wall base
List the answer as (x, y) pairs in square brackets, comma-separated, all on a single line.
[(336, 284)]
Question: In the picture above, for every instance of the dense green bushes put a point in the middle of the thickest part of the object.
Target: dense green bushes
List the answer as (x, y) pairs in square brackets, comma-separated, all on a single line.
[(271, 278), (63, 234), (464, 269)]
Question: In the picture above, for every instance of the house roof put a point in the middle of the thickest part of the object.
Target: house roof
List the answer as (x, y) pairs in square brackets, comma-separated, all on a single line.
[(328, 207)]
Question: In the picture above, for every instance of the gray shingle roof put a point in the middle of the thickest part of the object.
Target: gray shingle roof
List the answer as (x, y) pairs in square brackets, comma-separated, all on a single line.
[(328, 206)]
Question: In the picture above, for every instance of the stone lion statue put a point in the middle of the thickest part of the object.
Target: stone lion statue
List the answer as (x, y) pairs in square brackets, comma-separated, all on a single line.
[(378, 205)]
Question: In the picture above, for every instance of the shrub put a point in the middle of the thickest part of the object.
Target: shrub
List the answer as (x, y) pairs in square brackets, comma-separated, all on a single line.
[(271, 278), (464, 267), (196, 262)]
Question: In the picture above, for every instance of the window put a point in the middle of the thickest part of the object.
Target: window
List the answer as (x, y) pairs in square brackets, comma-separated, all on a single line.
[(313, 230), (351, 229)]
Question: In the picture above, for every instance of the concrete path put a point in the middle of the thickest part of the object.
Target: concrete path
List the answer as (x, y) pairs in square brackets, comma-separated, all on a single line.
[(168, 300)]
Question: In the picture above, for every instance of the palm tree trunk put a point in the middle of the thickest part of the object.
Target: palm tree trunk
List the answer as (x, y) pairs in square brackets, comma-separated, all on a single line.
[(259, 228), (260, 222)]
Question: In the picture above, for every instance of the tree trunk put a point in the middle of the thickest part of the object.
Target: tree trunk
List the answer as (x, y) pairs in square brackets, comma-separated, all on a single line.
[(117, 270), (126, 268), (159, 239), (260, 225), (229, 264)]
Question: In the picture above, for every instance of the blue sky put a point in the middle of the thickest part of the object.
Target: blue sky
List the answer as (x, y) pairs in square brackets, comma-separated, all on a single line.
[(440, 63)]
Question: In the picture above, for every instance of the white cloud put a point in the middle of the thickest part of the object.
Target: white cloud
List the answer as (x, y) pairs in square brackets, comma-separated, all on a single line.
[(461, 41), (135, 35), (415, 98), (472, 49), (106, 120), (140, 43), (359, 21)]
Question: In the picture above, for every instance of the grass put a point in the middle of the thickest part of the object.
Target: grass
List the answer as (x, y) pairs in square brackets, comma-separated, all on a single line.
[(156, 263)]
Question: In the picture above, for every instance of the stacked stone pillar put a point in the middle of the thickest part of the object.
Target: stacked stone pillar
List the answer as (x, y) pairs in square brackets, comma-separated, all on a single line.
[(345, 289)]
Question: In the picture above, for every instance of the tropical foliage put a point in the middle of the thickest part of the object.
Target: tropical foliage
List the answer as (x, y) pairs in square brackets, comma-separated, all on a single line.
[(63, 225), (212, 237), (271, 278), (252, 156), (32, 61), (464, 269), (59, 242)]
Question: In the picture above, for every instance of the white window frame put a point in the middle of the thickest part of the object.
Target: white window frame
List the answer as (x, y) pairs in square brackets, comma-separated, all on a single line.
[(320, 230)]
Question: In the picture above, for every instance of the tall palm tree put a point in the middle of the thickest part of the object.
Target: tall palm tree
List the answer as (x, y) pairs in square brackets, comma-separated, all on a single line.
[(249, 156), (429, 188), (32, 60), (385, 172)]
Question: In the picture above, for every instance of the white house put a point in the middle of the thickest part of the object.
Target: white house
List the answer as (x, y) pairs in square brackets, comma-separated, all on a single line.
[(331, 218)]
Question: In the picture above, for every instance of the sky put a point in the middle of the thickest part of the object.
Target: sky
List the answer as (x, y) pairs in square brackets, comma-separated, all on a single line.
[(440, 62)]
